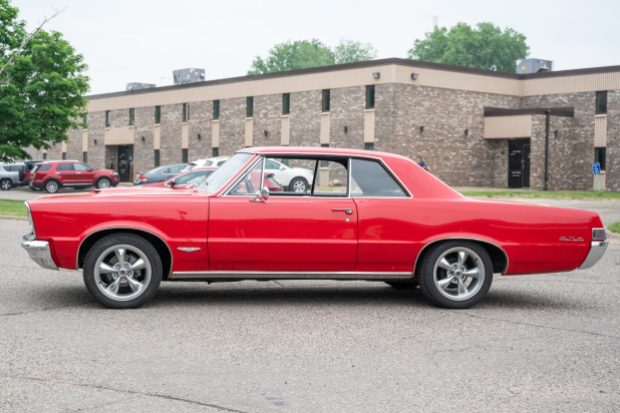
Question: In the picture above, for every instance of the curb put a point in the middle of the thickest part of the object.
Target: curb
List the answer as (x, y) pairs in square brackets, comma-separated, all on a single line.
[(12, 217)]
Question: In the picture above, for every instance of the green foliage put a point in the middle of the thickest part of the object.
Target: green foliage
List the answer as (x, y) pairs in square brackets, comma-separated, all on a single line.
[(483, 47), (530, 193), (348, 51), (302, 54), (12, 208), (615, 227), (42, 87)]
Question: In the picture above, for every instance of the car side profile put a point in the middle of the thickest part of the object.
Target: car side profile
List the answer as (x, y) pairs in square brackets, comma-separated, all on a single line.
[(8, 178), (366, 216), (159, 174), (53, 175)]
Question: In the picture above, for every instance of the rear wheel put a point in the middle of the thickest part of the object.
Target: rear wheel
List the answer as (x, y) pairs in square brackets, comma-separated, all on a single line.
[(456, 274), (122, 271), (5, 184), (299, 185), (103, 183), (52, 186)]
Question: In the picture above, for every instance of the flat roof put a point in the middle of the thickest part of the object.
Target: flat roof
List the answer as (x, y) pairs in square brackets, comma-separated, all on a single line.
[(365, 64)]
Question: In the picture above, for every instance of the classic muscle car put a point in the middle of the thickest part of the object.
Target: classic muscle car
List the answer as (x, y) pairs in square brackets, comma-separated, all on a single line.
[(366, 216)]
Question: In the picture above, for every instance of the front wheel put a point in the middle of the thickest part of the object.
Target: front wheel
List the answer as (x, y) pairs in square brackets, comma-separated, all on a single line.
[(122, 271), (52, 186), (456, 274), (299, 185), (103, 183), (5, 184)]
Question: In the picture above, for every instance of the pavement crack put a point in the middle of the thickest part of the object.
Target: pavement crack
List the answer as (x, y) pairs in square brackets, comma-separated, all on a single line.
[(127, 391), (523, 323)]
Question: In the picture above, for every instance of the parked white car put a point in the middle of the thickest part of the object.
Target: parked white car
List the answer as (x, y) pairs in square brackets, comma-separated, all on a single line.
[(8, 179), (293, 179), (216, 161)]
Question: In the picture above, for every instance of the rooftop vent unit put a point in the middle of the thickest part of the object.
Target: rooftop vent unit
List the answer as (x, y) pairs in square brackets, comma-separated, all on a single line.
[(533, 65), (189, 75), (139, 86)]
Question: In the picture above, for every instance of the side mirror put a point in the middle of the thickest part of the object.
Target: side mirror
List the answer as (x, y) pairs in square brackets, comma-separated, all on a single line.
[(265, 193), (171, 184), (261, 196)]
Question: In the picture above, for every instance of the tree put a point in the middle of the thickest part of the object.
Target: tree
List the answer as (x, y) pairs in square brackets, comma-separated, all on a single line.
[(42, 86), (484, 47), (348, 51), (299, 54)]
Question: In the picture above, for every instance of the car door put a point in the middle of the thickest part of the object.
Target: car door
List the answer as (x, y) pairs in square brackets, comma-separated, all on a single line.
[(65, 173), (84, 174), (286, 232)]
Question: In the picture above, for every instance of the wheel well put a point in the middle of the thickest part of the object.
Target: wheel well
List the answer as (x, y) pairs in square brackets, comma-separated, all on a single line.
[(497, 255), (158, 243)]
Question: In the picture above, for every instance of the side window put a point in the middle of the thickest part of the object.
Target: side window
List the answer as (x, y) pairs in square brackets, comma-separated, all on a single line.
[(315, 176), (64, 167), (370, 179), (271, 164), (176, 169), (81, 167), (43, 168), (251, 182)]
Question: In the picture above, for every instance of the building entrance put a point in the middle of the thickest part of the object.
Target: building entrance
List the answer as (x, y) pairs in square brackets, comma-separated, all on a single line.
[(125, 162), (519, 163)]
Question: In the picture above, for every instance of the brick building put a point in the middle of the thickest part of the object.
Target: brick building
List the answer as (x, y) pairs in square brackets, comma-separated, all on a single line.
[(473, 127)]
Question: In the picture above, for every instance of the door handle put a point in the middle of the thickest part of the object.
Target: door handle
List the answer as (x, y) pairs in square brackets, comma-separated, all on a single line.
[(347, 211)]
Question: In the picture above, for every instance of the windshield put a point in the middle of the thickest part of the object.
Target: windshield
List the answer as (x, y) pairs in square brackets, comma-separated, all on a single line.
[(224, 173)]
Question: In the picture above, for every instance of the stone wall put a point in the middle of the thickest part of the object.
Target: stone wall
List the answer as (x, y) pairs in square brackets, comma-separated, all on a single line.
[(613, 140)]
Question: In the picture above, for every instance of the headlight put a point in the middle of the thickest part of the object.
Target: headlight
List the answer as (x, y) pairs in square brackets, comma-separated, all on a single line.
[(30, 222)]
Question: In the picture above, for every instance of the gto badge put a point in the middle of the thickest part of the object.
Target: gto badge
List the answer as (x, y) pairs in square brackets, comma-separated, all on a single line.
[(571, 239), (188, 249)]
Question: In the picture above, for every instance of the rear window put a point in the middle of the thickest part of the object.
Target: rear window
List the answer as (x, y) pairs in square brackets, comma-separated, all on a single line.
[(43, 168), (370, 179)]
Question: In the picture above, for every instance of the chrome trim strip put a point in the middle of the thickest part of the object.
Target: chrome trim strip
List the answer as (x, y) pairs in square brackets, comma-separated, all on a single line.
[(291, 275), (597, 250), (39, 252), (415, 264)]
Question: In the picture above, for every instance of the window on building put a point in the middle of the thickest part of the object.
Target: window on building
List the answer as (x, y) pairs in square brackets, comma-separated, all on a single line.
[(157, 114), (249, 107), (601, 102), (286, 103), (44, 158), (215, 152), (132, 116), (85, 157), (325, 100), (184, 155), (108, 118), (369, 146), (370, 179), (600, 157), (156, 158), (216, 109), (64, 156), (370, 97), (185, 112)]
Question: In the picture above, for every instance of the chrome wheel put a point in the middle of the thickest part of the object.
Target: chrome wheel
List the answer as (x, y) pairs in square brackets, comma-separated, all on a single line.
[(122, 272), (299, 185), (459, 273), (104, 183), (5, 184), (51, 187)]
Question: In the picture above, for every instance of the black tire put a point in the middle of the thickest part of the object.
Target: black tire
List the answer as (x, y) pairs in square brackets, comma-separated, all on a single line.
[(403, 284), (103, 181), (52, 186), (448, 297), (101, 250), (6, 184), (299, 185)]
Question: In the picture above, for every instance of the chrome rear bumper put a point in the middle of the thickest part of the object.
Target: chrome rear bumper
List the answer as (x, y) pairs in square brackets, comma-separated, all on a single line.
[(39, 251), (597, 250)]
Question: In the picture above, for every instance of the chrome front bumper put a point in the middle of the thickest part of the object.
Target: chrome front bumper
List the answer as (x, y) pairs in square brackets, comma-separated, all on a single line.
[(597, 250), (39, 251)]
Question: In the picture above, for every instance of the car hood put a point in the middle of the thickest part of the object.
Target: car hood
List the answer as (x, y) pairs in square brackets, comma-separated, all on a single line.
[(103, 194)]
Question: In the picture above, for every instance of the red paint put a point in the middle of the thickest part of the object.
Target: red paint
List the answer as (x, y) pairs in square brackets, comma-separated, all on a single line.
[(312, 233)]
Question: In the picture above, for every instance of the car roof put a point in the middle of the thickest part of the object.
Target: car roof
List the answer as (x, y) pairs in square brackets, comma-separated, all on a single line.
[(312, 150)]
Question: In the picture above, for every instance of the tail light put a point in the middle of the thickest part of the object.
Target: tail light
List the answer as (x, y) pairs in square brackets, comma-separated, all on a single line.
[(599, 234)]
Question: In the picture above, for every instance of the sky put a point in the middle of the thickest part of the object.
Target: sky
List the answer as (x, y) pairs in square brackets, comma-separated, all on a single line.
[(143, 41)]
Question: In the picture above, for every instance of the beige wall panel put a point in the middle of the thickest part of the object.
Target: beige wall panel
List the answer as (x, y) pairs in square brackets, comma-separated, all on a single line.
[(63, 147), (84, 141), (119, 136), (502, 127), (600, 131), (571, 84), (369, 126), (215, 134), (324, 134), (156, 137), (249, 131), (184, 136), (285, 131)]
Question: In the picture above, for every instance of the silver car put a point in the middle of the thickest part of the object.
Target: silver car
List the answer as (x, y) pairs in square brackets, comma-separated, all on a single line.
[(8, 179)]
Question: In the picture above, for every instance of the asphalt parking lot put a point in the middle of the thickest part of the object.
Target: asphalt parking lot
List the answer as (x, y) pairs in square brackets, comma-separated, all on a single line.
[(537, 343)]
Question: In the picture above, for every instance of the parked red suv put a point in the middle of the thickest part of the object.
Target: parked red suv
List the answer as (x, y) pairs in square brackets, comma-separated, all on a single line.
[(53, 175)]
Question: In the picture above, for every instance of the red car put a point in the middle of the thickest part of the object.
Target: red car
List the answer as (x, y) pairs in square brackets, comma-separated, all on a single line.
[(367, 216), (53, 175)]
